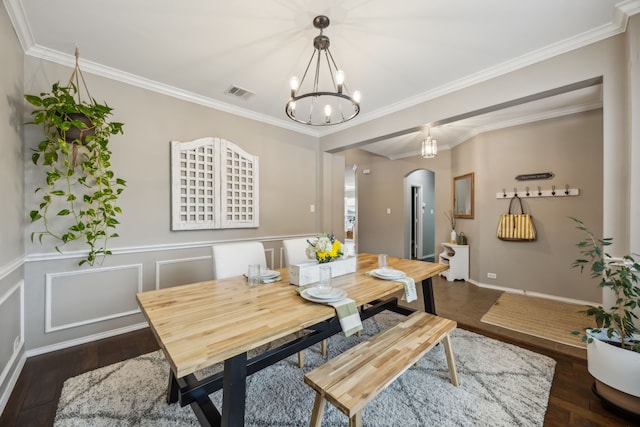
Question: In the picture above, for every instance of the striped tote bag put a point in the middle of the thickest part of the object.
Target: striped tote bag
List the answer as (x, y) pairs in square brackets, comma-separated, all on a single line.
[(516, 227)]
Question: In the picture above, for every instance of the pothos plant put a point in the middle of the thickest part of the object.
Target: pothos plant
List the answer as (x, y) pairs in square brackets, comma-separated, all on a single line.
[(81, 191), (622, 279)]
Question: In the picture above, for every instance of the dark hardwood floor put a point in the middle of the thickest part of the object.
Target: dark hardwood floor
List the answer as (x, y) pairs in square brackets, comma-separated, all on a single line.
[(571, 403)]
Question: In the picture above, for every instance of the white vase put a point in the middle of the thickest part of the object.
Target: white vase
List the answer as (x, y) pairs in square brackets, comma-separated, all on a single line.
[(454, 236)]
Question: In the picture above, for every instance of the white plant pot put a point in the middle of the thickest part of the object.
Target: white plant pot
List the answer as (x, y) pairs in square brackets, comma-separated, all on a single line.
[(303, 274), (614, 366)]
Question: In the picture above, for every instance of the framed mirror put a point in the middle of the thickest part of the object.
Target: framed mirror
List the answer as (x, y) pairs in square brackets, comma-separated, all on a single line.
[(463, 196)]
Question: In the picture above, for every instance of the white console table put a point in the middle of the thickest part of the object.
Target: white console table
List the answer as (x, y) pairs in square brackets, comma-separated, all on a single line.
[(457, 257)]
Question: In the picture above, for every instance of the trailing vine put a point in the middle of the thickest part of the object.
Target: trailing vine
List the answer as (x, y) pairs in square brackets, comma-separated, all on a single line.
[(79, 198)]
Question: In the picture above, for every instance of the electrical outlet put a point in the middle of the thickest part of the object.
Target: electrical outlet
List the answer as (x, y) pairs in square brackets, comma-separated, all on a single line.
[(491, 275), (16, 343)]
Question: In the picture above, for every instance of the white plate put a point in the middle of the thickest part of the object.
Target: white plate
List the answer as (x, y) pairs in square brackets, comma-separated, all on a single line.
[(389, 274), (305, 294), (326, 293), (268, 274)]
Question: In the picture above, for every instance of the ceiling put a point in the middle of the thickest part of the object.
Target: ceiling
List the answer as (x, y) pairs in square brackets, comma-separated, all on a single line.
[(396, 53)]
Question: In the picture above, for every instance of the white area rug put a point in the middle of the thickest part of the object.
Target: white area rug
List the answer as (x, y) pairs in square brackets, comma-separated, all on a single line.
[(500, 385)]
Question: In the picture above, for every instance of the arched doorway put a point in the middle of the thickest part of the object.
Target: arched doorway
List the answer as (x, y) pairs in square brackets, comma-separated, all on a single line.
[(419, 202)]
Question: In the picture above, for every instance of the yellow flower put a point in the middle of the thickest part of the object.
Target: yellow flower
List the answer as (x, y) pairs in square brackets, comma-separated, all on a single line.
[(324, 248)]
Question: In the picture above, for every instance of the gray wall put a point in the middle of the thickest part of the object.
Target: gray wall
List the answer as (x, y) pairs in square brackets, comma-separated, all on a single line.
[(12, 195), (384, 188), (608, 58), (288, 161), (68, 303), (570, 146)]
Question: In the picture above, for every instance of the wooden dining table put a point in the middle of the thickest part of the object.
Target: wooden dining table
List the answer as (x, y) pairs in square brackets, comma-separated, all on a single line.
[(201, 324)]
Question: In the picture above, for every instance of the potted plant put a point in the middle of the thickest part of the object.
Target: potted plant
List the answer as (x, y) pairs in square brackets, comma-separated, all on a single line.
[(80, 192), (613, 348)]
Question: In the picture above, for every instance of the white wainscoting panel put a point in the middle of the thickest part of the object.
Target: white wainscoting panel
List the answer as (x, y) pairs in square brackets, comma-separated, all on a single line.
[(12, 324), (79, 298), (181, 271)]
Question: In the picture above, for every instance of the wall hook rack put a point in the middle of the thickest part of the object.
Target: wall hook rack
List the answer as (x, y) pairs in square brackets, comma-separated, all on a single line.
[(539, 192)]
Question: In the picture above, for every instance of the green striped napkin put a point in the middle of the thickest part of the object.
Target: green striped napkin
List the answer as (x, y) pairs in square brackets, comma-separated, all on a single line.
[(347, 313), (410, 293)]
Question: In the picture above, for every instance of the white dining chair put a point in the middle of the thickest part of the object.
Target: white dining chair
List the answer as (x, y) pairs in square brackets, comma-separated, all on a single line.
[(295, 253), (232, 259)]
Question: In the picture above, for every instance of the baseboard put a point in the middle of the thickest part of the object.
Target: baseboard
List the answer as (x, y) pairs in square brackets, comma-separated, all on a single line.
[(533, 294), (13, 379), (84, 340)]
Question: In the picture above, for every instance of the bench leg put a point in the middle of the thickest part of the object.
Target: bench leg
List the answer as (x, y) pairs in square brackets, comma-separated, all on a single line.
[(323, 351), (356, 420), (318, 411), (453, 374)]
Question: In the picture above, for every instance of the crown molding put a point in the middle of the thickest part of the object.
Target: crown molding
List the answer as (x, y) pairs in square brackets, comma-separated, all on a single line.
[(18, 18), (47, 54), (627, 8), (540, 55), (622, 11)]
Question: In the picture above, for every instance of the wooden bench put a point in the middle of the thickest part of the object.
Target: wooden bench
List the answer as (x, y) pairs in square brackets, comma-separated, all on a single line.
[(355, 377)]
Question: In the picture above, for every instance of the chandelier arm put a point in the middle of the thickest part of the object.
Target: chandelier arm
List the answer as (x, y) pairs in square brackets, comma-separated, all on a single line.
[(340, 111), (330, 56), (311, 105), (306, 69), (317, 76), (327, 55), (344, 84)]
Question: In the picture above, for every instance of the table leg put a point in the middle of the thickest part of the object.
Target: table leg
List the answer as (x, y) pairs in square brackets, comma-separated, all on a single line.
[(234, 390), (173, 389), (427, 296)]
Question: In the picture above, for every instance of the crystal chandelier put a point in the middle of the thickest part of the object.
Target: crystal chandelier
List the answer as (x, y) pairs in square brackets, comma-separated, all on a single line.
[(327, 100), (429, 147)]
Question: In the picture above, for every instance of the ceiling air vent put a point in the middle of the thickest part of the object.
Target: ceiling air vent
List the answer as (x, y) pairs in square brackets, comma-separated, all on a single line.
[(239, 92)]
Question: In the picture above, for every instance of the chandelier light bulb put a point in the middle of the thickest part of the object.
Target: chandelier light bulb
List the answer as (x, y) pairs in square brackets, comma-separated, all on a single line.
[(294, 83), (339, 80), (356, 96), (327, 113)]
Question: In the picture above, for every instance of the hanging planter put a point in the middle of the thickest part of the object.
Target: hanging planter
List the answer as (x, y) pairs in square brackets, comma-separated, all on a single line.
[(78, 133), (80, 192)]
